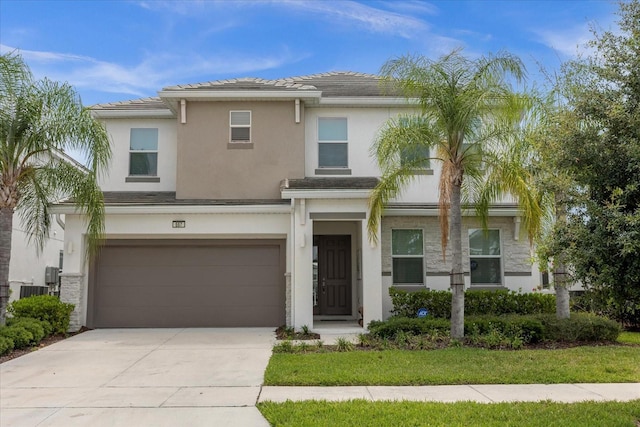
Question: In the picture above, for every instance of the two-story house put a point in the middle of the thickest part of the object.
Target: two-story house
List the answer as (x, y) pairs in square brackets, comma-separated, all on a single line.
[(243, 202)]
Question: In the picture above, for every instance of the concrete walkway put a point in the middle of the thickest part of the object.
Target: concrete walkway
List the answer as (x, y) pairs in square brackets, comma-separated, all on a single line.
[(568, 393)]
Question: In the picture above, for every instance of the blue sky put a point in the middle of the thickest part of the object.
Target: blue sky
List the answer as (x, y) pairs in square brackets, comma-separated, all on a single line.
[(118, 50)]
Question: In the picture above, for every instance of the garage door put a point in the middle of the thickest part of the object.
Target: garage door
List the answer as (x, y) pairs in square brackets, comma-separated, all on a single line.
[(165, 283)]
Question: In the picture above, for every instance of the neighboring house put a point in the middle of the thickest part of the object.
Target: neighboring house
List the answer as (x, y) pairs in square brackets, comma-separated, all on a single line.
[(28, 265), (243, 202)]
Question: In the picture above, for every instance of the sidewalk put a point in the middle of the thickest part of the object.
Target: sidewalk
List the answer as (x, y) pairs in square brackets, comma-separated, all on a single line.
[(568, 393)]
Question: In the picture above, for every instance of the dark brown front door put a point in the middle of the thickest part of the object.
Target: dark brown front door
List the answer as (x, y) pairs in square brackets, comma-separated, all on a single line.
[(334, 275)]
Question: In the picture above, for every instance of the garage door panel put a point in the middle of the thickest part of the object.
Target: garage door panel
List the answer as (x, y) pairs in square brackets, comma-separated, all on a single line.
[(176, 317), (160, 284), (189, 256), (140, 296), (202, 276)]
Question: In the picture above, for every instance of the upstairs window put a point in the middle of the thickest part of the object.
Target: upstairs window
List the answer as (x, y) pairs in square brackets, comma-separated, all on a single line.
[(407, 253), (240, 124), (485, 260), (143, 152), (332, 142), (416, 156)]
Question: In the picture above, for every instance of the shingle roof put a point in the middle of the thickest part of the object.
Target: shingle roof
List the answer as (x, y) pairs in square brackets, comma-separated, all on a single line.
[(343, 83), (152, 103), (331, 84), (112, 198), (349, 183)]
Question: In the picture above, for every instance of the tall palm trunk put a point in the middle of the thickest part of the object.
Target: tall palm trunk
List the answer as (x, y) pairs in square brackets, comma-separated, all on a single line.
[(6, 224), (457, 274)]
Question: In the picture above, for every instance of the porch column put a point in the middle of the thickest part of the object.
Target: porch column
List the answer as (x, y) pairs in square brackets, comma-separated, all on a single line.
[(371, 277), (303, 258)]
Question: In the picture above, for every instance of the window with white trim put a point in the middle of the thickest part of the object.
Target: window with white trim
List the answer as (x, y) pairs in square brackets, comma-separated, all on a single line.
[(240, 126), (485, 259), (416, 155), (143, 152), (407, 254), (333, 146)]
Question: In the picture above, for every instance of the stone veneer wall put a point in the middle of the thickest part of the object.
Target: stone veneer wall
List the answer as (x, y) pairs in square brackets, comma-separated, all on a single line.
[(516, 255), (288, 301), (71, 291)]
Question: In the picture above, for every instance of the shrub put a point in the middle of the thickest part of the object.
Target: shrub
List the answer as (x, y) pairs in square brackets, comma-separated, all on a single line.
[(415, 326), (407, 304), (20, 336), (510, 331), (44, 307), (285, 346), (343, 344), (579, 327), (600, 302), (30, 324), (529, 329), (477, 303), (6, 345)]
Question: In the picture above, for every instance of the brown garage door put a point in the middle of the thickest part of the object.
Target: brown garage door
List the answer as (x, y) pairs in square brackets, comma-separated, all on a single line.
[(171, 283)]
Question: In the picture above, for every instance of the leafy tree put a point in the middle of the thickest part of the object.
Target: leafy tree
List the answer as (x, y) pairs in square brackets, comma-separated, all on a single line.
[(39, 119), (468, 118), (546, 132), (599, 149)]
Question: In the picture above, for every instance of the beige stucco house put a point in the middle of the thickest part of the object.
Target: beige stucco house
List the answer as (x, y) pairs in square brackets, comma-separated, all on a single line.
[(243, 202)]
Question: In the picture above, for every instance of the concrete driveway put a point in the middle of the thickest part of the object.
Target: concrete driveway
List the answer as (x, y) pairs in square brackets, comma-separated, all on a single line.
[(139, 377)]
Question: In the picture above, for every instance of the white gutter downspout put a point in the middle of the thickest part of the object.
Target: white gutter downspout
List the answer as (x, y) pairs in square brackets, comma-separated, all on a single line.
[(297, 111), (183, 111), (516, 228), (59, 221)]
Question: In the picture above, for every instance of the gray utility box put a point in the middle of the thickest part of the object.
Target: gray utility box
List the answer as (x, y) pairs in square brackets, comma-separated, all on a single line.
[(51, 275)]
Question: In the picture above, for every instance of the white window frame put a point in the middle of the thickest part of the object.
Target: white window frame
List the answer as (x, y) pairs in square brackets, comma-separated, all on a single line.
[(421, 257), (144, 152), (320, 142), (426, 166), (246, 126), (491, 256)]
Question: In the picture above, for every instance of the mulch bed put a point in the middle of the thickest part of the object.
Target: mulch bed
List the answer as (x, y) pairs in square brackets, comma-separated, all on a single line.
[(52, 339), (284, 333)]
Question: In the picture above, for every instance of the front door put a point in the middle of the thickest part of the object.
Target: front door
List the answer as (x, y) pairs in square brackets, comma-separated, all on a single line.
[(334, 275)]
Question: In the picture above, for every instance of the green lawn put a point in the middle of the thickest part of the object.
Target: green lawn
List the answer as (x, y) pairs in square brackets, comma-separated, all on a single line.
[(361, 413), (629, 338), (605, 364)]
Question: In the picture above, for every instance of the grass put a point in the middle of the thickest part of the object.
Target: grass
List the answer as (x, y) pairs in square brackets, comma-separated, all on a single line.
[(362, 413), (606, 364), (629, 338)]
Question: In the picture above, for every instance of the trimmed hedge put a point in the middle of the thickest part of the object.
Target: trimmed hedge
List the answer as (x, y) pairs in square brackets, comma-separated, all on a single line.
[(32, 325), (20, 336), (527, 329), (415, 326), (6, 345), (477, 303), (580, 327), (44, 307)]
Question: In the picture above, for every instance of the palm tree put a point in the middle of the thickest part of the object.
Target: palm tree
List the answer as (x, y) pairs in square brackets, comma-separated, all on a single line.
[(468, 117), (38, 120)]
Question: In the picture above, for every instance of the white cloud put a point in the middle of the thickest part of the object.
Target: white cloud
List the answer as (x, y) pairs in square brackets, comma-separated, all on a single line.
[(568, 41), (145, 78), (373, 19), (412, 7), (368, 17)]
